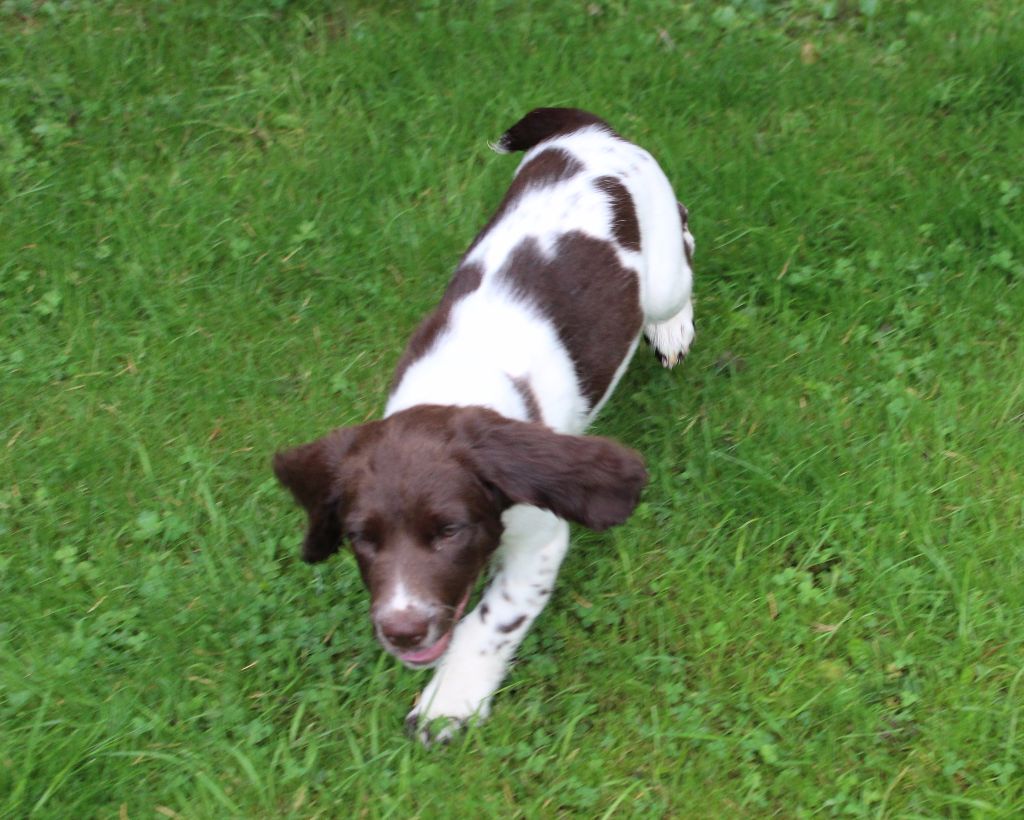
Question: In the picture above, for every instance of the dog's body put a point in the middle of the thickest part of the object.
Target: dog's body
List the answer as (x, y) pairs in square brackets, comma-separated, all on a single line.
[(480, 443)]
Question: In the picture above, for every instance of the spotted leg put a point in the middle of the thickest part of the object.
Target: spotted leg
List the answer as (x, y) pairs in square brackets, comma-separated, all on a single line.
[(484, 642)]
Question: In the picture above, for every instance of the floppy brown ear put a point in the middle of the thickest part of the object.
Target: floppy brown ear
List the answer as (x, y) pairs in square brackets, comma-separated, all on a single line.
[(587, 479), (310, 472)]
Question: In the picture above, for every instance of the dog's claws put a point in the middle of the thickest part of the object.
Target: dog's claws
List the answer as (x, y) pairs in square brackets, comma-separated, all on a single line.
[(668, 361), (432, 732)]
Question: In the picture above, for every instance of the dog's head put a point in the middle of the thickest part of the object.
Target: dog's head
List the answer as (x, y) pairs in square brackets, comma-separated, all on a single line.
[(419, 497)]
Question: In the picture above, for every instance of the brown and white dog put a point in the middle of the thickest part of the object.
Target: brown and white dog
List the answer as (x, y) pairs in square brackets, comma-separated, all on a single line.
[(479, 457)]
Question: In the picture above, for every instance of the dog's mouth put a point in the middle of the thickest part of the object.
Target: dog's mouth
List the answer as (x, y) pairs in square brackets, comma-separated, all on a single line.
[(422, 658)]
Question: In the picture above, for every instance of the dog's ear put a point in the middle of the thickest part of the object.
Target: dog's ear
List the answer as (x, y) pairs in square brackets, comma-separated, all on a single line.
[(587, 479), (310, 471)]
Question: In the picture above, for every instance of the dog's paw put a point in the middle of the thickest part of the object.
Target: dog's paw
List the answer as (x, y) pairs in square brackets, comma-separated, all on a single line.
[(440, 715), (432, 731), (672, 338)]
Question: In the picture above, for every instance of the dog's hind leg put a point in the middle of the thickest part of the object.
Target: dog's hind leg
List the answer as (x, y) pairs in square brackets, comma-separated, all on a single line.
[(667, 303)]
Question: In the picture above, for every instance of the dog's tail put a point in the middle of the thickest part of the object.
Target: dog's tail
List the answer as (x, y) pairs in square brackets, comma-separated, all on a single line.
[(543, 124)]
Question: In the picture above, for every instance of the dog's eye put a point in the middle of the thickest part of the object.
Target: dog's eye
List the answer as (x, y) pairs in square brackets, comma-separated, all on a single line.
[(447, 531)]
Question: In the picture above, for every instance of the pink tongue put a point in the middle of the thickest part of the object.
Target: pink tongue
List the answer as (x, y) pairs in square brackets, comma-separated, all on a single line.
[(435, 651)]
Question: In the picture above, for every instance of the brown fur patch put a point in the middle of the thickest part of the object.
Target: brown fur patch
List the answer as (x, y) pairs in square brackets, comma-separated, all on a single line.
[(513, 626), (525, 391), (625, 227), (547, 168), (544, 123), (593, 301)]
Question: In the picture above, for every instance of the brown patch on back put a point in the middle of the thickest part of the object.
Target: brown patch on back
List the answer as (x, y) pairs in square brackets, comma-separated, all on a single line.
[(625, 227), (464, 281), (592, 300), (525, 391), (547, 168)]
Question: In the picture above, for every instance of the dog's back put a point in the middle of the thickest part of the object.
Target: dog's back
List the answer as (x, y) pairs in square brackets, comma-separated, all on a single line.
[(545, 309)]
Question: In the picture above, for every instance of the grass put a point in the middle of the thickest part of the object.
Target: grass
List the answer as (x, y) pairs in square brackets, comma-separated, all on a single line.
[(221, 221)]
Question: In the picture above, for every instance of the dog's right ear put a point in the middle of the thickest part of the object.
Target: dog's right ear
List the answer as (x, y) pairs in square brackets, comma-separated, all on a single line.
[(310, 471), (591, 480)]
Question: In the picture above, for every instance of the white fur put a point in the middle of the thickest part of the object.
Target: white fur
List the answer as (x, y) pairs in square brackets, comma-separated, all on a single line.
[(493, 337), (401, 599)]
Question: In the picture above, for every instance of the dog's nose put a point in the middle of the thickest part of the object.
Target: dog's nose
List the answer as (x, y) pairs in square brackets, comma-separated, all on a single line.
[(405, 629)]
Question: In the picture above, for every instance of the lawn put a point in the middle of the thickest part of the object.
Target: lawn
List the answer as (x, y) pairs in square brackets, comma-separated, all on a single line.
[(219, 222)]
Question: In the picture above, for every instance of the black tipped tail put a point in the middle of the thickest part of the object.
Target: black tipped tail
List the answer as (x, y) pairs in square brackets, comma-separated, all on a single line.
[(543, 124)]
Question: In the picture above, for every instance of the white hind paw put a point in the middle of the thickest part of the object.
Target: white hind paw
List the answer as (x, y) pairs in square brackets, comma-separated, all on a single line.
[(672, 338)]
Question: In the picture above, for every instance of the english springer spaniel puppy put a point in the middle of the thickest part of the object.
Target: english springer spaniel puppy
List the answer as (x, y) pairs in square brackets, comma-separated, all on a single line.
[(480, 458)]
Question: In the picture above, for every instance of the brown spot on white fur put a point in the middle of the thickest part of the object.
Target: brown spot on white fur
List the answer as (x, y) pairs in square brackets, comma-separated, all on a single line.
[(592, 300), (525, 391), (513, 625), (625, 227)]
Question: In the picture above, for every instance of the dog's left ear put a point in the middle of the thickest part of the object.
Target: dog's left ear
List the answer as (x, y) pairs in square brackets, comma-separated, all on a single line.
[(310, 471), (587, 479)]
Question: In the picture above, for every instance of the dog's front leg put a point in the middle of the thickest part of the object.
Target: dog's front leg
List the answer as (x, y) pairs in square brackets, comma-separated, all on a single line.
[(484, 642)]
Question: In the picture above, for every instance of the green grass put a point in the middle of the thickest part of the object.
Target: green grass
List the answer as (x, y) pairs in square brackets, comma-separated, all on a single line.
[(220, 221)]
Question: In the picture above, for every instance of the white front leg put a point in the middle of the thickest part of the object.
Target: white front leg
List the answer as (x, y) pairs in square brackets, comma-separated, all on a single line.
[(485, 640)]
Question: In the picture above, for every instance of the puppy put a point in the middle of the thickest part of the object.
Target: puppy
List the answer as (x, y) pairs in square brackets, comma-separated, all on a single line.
[(479, 458)]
